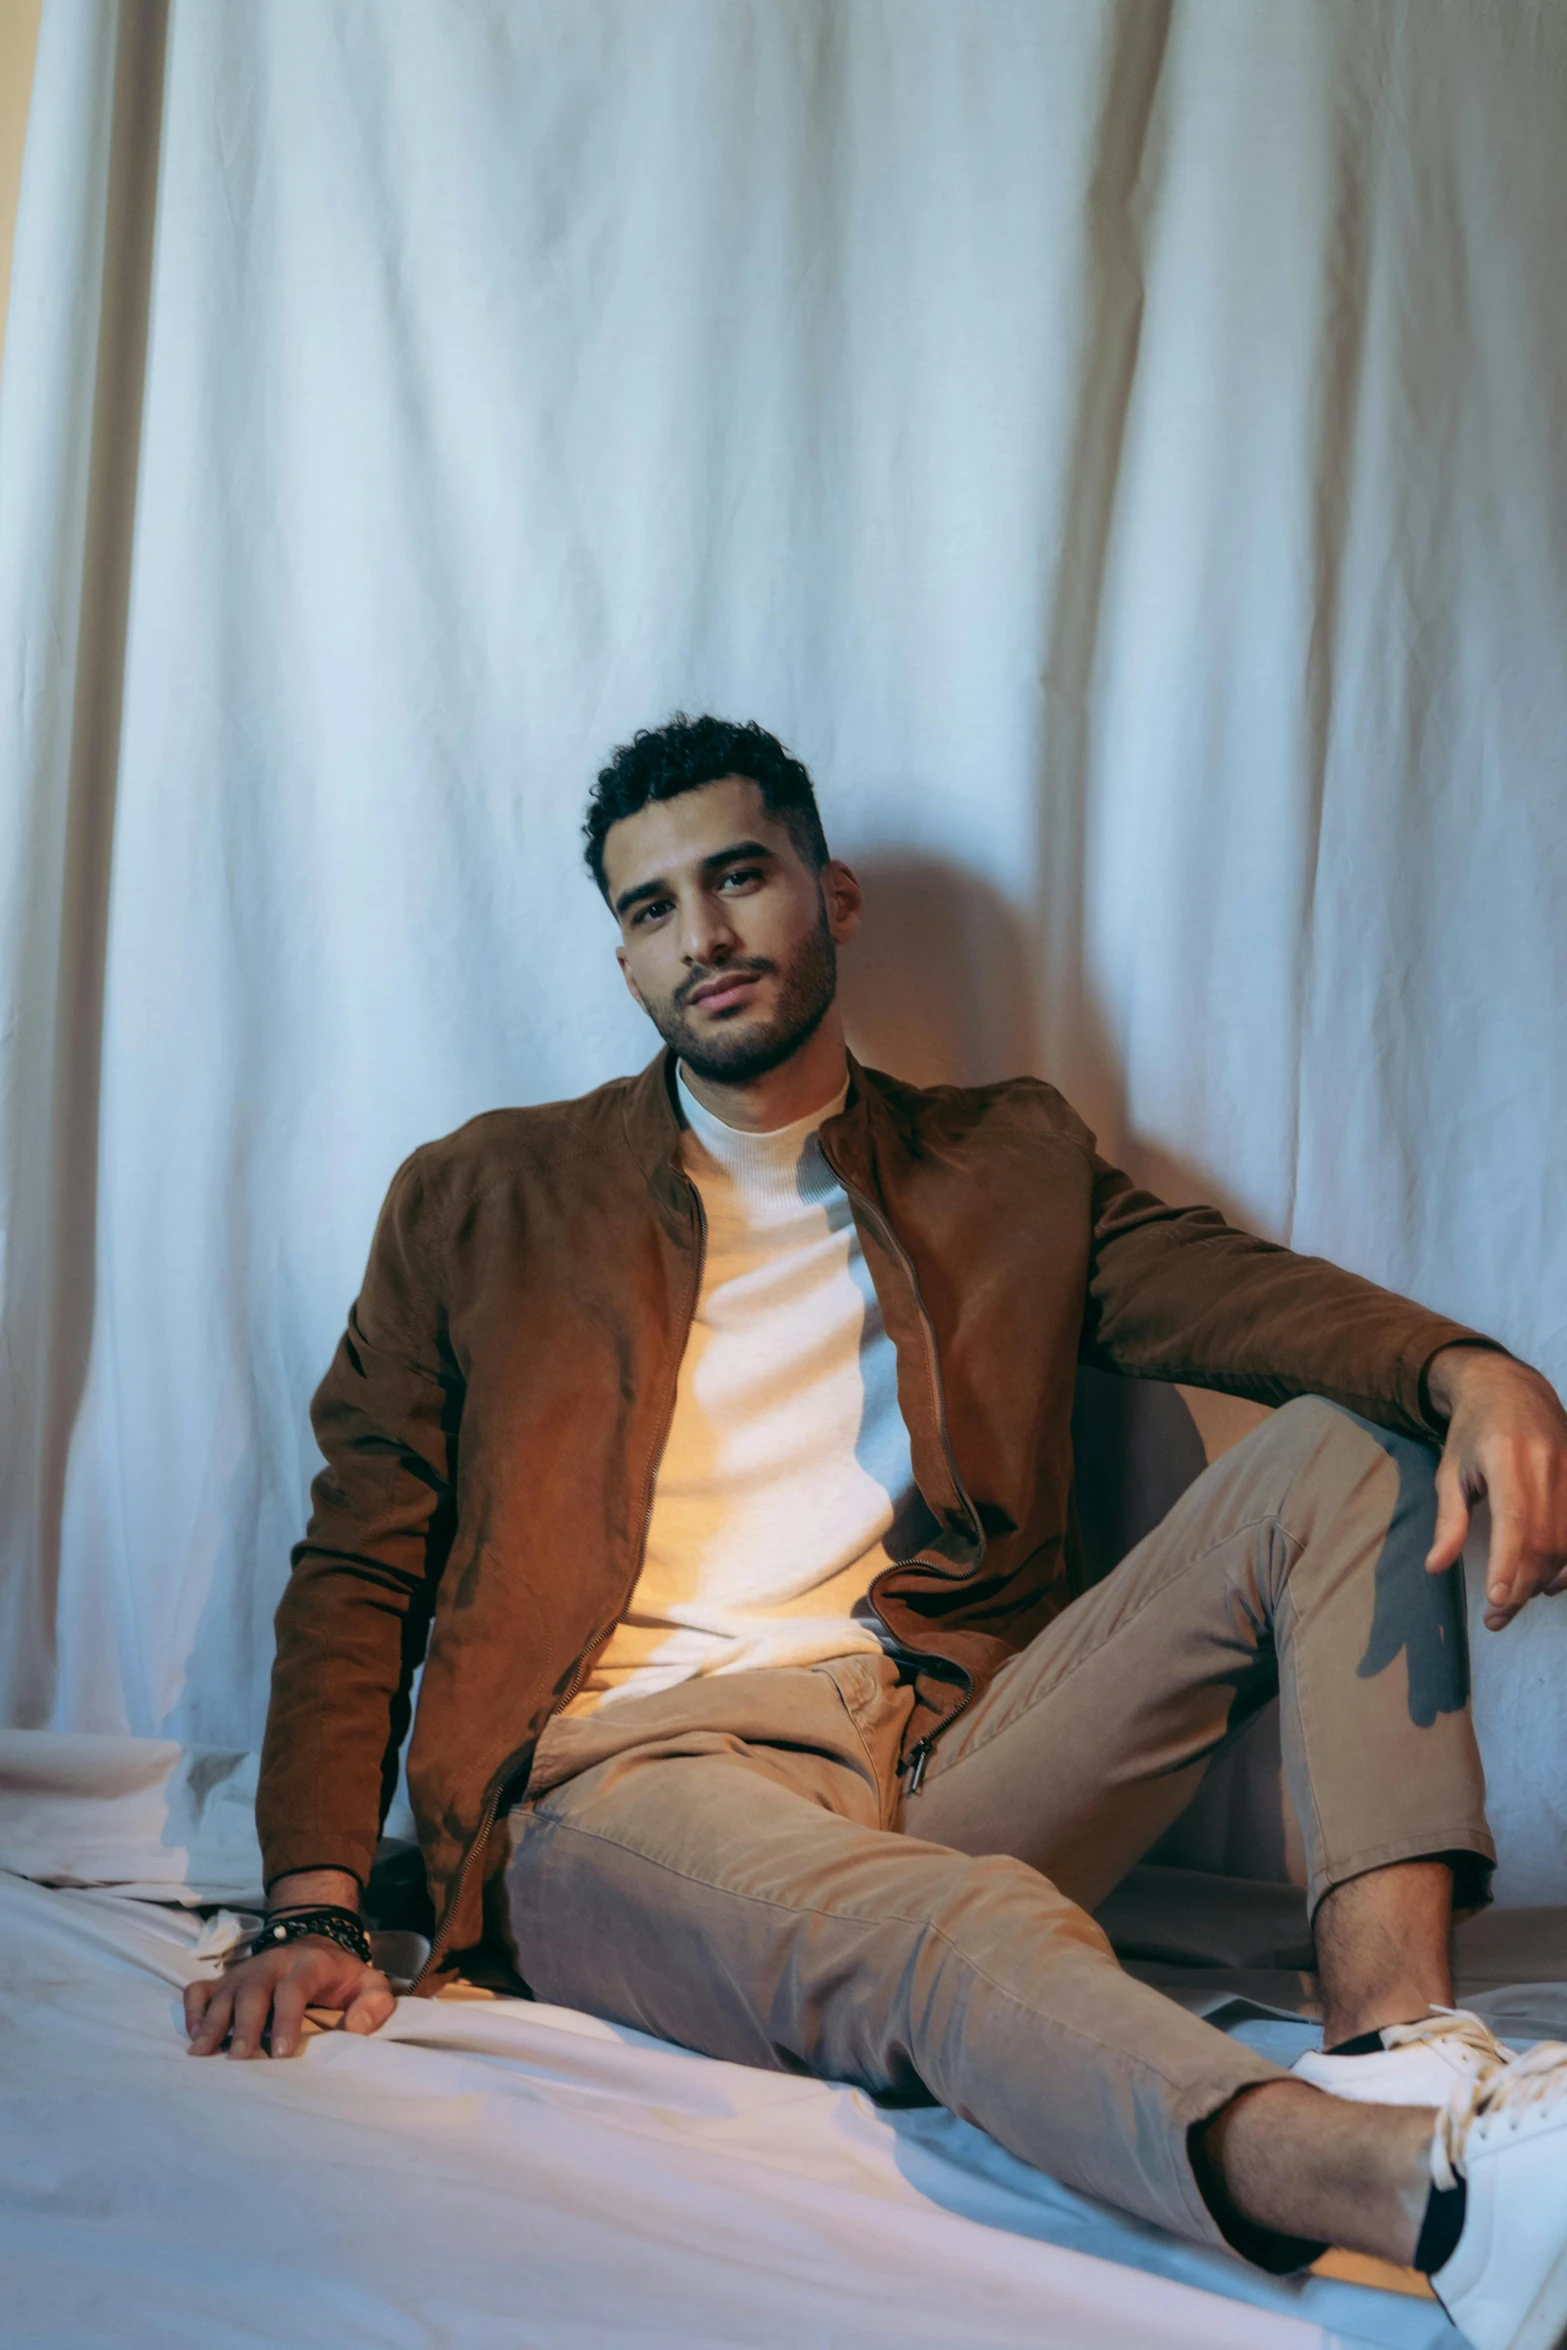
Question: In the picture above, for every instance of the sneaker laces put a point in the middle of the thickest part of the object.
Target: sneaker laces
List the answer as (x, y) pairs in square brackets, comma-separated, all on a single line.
[(1506, 2101), (1446, 2023)]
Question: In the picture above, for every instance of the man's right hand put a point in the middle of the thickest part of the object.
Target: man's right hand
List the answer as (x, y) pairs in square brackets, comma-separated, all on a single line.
[(278, 1985)]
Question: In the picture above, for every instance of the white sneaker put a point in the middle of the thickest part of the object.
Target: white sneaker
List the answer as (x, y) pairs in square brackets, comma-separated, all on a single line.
[(1505, 2284), (1444, 2056)]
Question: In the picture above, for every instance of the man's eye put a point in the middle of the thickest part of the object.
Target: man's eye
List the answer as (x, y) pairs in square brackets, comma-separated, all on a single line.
[(741, 873), (649, 912)]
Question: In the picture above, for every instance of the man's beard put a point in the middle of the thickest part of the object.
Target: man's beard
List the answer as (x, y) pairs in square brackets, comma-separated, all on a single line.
[(810, 982)]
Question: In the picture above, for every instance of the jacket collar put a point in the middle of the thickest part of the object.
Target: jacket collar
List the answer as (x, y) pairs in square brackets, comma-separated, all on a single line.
[(652, 1125)]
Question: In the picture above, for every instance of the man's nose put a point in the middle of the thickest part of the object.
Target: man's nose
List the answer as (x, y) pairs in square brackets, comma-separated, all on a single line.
[(707, 934)]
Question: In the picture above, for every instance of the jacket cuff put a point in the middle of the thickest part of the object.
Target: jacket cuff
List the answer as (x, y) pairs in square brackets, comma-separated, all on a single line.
[(294, 1855)]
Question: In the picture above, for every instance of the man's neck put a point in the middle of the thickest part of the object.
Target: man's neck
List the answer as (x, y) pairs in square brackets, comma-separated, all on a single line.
[(807, 1082)]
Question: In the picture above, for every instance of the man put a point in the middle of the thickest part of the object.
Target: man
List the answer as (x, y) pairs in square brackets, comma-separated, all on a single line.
[(708, 1440)]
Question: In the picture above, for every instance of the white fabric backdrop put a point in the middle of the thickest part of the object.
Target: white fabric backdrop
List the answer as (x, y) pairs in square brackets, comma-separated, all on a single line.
[(1117, 446)]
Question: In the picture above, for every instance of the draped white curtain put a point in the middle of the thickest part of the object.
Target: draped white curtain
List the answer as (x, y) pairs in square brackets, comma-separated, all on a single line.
[(1118, 446)]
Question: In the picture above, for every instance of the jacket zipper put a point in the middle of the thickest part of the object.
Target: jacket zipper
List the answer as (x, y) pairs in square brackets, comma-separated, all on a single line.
[(918, 1756), (492, 1793)]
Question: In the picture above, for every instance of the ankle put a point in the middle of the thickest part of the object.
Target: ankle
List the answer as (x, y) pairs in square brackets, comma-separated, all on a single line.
[(1287, 2160), (1383, 1954)]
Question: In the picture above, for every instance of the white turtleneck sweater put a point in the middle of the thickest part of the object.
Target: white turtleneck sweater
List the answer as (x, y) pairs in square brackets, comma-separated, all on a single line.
[(787, 1456)]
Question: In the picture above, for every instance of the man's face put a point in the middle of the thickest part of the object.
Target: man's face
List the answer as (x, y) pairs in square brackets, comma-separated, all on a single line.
[(728, 938)]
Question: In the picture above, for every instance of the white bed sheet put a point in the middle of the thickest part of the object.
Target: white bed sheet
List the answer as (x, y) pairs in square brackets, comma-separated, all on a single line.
[(491, 2173)]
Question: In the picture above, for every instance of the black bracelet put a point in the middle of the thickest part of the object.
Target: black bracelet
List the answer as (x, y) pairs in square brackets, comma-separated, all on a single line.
[(335, 1925)]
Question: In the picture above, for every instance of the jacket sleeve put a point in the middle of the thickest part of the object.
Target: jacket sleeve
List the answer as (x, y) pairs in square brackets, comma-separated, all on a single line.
[(354, 1617), (1178, 1293)]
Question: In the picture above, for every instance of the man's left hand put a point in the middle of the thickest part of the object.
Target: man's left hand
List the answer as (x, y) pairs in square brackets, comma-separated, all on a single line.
[(1506, 1444)]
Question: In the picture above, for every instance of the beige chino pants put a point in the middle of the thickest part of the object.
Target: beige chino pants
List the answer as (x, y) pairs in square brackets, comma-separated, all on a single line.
[(734, 1865)]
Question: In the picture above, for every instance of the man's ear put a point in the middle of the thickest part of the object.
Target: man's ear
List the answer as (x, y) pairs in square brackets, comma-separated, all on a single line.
[(842, 897), (625, 972)]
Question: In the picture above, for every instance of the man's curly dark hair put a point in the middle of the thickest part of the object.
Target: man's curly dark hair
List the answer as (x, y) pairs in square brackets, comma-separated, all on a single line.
[(661, 762)]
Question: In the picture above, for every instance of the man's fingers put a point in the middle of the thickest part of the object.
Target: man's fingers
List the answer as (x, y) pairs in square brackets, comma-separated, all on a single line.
[(312, 1974), (1452, 1518), (1527, 1533), (251, 2006), (288, 2007), (206, 2033), (1507, 1580), (1506, 1441), (370, 2007), (1518, 1570)]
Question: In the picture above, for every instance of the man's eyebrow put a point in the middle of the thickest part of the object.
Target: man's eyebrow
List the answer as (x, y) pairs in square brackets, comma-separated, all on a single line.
[(644, 889), (741, 848), (659, 886)]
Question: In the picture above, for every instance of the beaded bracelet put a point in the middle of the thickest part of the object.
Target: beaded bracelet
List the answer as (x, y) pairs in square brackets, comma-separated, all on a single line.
[(336, 1925)]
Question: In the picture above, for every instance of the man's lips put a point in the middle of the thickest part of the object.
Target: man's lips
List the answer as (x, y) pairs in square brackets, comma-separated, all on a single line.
[(714, 995)]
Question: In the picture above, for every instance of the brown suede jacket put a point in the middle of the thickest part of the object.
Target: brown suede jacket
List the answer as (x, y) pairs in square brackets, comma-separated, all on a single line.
[(493, 1419)]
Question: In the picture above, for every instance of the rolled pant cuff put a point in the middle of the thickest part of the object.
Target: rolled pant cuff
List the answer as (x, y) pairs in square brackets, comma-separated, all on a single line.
[(1197, 2103), (1277, 2255), (1469, 1852)]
